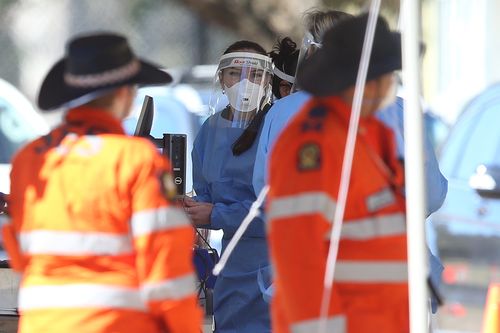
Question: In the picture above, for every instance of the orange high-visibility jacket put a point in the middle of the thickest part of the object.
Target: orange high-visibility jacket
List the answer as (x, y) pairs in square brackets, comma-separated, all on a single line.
[(370, 291), (100, 247)]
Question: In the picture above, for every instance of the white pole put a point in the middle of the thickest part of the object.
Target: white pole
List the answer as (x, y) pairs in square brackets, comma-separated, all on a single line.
[(253, 212), (414, 168), (347, 163)]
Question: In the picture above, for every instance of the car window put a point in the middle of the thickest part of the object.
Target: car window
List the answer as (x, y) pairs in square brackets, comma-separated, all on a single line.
[(14, 131), (475, 140)]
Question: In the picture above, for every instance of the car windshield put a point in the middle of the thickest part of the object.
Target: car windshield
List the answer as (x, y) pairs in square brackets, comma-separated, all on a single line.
[(14, 131)]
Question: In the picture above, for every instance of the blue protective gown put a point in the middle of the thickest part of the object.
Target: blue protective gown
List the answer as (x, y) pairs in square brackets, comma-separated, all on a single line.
[(225, 180)]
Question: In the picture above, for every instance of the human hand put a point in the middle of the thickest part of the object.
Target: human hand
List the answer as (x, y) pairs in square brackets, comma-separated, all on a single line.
[(4, 208), (198, 212)]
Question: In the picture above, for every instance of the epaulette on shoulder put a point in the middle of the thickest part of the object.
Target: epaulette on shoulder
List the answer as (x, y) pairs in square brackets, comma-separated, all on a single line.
[(315, 119), (318, 111)]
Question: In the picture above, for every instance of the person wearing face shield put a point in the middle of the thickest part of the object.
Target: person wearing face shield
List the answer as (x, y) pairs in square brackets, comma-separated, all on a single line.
[(316, 23), (284, 110), (370, 288), (223, 157), (285, 55)]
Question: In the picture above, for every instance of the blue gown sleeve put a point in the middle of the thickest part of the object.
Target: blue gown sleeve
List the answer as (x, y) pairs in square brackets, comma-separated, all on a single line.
[(260, 166), (228, 217), (436, 183), (225, 216)]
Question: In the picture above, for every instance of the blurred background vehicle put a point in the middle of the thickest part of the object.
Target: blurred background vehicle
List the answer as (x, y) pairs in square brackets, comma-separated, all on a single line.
[(467, 227), (19, 123)]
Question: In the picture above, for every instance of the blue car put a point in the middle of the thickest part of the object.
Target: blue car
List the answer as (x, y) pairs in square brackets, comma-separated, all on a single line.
[(467, 227)]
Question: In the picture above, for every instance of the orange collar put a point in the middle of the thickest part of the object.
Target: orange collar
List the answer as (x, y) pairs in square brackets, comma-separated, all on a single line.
[(96, 119)]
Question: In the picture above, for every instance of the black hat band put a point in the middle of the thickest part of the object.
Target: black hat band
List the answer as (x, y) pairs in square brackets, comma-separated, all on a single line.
[(105, 78)]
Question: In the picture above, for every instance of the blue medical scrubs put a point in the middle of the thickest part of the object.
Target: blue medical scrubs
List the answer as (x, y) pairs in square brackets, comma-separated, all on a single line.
[(225, 180)]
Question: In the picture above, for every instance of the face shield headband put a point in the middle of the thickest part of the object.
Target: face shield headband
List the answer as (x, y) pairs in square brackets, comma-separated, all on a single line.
[(307, 47), (244, 79), (246, 59)]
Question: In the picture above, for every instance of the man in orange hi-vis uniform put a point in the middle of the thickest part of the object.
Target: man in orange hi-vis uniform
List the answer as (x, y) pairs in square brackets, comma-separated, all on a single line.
[(370, 290), (92, 230)]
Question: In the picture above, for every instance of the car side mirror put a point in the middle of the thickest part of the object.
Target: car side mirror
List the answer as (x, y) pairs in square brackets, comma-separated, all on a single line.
[(486, 181)]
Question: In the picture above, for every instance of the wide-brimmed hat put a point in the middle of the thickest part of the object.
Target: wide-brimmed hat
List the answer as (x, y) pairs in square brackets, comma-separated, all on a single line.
[(334, 67), (94, 64)]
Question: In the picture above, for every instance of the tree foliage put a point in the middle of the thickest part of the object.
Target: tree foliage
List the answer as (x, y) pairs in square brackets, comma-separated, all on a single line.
[(264, 20)]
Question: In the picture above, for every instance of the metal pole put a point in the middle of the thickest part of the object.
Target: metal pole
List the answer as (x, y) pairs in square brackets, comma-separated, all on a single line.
[(414, 165)]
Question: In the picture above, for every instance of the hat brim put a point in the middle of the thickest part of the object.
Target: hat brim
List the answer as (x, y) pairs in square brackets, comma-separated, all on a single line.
[(55, 93), (321, 76)]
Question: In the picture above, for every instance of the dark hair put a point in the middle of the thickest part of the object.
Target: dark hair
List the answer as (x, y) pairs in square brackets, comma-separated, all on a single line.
[(317, 22), (245, 44), (247, 138), (285, 55)]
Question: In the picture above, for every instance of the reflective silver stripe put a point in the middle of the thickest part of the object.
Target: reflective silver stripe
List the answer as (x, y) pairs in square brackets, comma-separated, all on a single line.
[(302, 204), (176, 288), (377, 226), (371, 272), (74, 243), (336, 324), (380, 200), (80, 296), (165, 218)]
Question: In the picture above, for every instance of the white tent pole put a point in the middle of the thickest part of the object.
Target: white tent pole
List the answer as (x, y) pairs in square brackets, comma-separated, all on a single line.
[(414, 168), (347, 164)]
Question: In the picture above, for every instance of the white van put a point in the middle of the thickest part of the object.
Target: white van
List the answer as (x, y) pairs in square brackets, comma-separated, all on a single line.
[(19, 123)]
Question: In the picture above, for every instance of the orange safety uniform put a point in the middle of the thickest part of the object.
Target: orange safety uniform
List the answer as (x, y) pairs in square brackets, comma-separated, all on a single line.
[(100, 247), (370, 290)]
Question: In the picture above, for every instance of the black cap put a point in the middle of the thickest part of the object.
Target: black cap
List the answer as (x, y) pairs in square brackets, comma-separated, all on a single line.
[(334, 67), (94, 64)]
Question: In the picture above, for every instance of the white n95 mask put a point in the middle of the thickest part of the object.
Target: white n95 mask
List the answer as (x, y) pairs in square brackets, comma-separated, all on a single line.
[(245, 96)]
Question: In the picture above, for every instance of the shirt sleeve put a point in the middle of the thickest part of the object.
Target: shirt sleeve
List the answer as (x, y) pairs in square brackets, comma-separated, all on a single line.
[(228, 217), (436, 183), (163, 239)]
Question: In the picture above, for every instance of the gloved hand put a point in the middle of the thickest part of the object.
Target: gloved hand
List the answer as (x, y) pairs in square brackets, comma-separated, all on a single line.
[(198, 212)]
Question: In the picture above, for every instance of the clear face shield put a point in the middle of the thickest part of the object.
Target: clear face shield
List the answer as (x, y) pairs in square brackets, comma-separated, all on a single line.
[(307, 48), (242, 86)]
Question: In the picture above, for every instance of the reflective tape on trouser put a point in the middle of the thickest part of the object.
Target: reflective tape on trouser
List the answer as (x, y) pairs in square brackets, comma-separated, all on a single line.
[(153, 220), (302, 204), (333, 325), (80, 296), (176, 288), (371, 272), (54, 242)]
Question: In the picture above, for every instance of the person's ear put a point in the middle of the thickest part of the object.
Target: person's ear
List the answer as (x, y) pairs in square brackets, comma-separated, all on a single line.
[(371, 89)]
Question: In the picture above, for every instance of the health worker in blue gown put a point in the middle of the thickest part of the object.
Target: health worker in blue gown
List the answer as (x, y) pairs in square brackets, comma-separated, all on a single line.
[(223, 161)]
